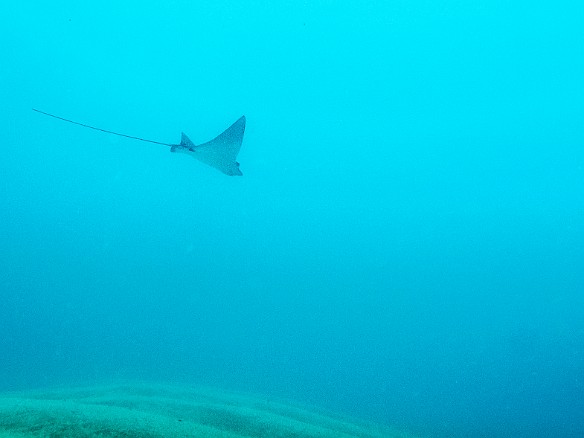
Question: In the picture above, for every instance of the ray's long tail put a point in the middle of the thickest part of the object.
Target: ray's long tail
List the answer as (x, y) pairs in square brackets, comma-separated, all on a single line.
[(102, 130)]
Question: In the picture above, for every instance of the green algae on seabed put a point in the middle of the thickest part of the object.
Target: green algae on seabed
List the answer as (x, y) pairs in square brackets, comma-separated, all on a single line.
[(149, 411)]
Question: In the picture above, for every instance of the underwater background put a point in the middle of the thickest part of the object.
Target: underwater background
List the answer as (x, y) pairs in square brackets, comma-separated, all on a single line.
[(406, 245)]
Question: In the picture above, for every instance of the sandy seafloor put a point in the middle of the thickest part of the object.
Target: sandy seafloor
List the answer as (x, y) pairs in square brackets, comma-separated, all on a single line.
[(159, 410)]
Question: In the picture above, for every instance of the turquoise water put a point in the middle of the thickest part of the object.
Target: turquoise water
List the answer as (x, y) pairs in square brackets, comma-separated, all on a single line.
[(406, 244)]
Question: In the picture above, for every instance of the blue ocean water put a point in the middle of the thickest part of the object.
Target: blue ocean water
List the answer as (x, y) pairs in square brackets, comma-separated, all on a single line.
[(406, 244)]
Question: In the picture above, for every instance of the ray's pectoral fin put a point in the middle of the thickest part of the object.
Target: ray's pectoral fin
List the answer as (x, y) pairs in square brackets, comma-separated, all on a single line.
[(221, 152)]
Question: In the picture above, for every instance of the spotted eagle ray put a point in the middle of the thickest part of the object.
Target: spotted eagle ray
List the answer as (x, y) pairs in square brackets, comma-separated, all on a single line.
[(220, 153)]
